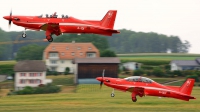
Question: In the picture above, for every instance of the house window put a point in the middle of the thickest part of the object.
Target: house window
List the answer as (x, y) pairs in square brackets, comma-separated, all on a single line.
[(22, 81), (22, 74), (73, 53), (62, 53), (78, 48), (89, 48), (81, 54), (31, 81), (53, 48), (67, 48), (53, 68), (53, 54), (38, 81), (53, 61), (62, 61), (91, 55), (31, 74)]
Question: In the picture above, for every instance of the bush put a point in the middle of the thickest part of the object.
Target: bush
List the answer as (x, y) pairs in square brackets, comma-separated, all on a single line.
[(167, 67), (149, 73), (147, 67), (194, 77), (138, 72), (67, 69), (147, 62), (177, 72), (49, 88), (158, 72)]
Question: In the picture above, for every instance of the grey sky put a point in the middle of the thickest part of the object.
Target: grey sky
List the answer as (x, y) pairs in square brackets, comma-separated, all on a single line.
[(170, 17)]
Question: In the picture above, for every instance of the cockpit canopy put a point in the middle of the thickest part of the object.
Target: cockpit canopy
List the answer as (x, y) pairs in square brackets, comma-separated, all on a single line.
[(53, 16), (138, 79)]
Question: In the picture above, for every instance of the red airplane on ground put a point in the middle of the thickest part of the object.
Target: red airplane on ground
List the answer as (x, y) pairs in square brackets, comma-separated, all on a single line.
[(54, 25), (142, 86)]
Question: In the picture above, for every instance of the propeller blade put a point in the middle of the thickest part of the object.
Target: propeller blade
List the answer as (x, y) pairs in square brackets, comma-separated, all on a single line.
[(102, 78), (10, 21), (101, 83)]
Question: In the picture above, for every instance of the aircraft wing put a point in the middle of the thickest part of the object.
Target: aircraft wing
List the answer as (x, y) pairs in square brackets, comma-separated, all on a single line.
[(54, 28)]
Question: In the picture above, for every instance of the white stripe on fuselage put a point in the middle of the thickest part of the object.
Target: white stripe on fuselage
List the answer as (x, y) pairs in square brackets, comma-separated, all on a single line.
[(61, 24)]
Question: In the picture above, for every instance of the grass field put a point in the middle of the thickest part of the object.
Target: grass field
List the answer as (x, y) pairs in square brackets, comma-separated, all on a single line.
[(7, 62), (89, 98), (159, 56)]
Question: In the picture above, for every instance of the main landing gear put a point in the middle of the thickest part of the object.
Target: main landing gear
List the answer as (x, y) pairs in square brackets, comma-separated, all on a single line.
[(134, 99), (133, 95), (49, 38), (24, 34)]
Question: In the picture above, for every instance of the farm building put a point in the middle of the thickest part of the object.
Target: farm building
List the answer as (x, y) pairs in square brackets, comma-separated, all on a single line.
[(30, 73), (185, 64), (87, 69)]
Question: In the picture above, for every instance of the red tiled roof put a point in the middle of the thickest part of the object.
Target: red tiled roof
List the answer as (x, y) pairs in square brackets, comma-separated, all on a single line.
[(65, 50)]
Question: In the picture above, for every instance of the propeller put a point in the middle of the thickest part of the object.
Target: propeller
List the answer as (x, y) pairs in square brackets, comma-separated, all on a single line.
[(101, 83), (10, 20)]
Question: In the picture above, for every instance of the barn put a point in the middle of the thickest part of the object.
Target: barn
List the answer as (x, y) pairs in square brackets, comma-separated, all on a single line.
[(87, 69)]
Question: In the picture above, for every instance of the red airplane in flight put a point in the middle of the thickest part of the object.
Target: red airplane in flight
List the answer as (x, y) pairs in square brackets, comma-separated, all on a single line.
[(54, 25), (142, 86)]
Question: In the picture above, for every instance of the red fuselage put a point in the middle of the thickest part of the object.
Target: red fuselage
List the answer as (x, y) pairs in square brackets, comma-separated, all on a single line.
[(142, 86), (56, 25)]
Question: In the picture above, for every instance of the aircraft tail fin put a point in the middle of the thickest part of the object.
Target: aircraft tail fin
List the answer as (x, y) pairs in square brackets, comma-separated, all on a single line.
[(187, 86), (108, 20)]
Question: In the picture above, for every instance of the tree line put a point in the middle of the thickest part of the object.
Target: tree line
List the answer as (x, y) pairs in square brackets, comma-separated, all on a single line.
[(139, 42), (125, 42)]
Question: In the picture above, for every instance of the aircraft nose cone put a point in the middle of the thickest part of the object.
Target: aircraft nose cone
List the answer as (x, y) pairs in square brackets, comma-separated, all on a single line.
[(6, 17), (99, 79)]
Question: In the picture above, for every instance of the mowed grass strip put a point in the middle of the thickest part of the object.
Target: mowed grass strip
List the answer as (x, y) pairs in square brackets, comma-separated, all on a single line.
[(89, 98)]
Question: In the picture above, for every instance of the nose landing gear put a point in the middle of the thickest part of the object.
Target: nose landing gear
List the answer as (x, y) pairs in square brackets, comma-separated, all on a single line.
[(113, 93), (24, 34)]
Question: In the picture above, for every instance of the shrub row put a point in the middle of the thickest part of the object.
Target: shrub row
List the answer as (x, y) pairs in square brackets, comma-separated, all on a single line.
[(49, 88), (147, 62)]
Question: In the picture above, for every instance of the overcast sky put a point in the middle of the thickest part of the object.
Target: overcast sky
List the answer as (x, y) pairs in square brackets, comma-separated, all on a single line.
[(170, 17)]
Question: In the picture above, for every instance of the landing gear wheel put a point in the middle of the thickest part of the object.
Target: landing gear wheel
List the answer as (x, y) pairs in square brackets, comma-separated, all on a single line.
[(134, 99), (24, 35), (49, 38), (112, 95)]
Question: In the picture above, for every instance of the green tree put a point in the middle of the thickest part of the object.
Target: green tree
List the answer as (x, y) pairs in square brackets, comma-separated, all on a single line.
[(107, 53), (158, 72), (30, 52)]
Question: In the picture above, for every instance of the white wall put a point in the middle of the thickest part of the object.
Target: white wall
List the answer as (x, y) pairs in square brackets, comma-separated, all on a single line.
[(27, 78), (130, 65), (175, 67), (60, 65)]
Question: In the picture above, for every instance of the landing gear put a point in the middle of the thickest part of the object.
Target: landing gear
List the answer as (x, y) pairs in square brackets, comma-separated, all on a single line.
[(134, 99), (133, 95), (113, 93), (49, 38), (24, 34)]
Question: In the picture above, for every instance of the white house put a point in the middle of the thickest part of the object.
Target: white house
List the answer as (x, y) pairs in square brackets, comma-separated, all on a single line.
[(58, 56), (30, 73), (131, 65), (185, 64)]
